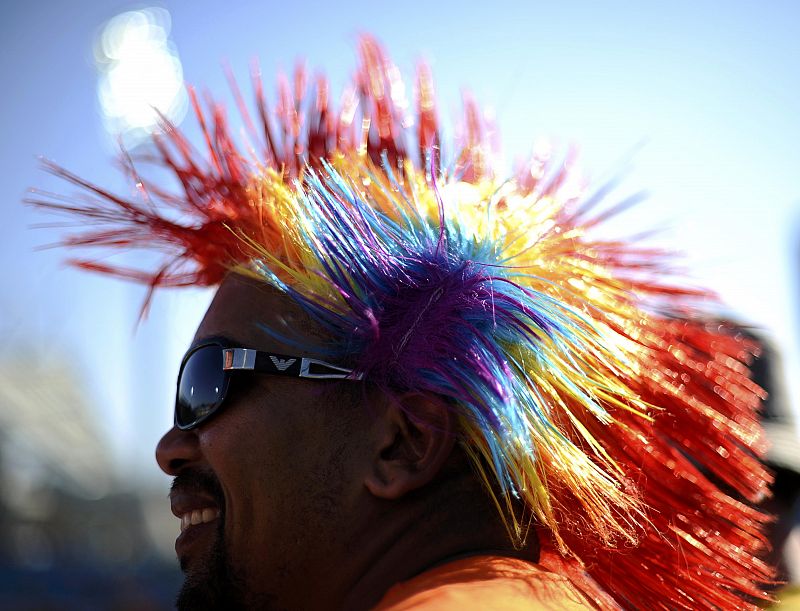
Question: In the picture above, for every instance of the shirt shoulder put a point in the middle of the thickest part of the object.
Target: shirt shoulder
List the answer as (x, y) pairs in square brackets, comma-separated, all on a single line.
[(484, 582)]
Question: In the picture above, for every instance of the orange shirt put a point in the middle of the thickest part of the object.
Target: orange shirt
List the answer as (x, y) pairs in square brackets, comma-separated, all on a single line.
[(484, 583)]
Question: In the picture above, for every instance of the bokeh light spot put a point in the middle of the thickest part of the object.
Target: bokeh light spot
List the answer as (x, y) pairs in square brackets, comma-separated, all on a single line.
[(140, 74)]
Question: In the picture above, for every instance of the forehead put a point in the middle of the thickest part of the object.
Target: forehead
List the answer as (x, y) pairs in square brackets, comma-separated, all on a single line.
[(243, 307)]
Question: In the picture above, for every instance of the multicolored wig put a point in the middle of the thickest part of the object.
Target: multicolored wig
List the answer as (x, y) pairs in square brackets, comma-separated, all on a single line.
[(603, 420)]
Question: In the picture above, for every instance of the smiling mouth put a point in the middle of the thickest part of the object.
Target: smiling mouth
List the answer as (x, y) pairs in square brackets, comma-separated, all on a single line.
[(196, 499), (198, 516), (199, 530)]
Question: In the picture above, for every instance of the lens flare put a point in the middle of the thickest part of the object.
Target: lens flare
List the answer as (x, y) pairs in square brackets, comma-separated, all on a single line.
[(140, 74)]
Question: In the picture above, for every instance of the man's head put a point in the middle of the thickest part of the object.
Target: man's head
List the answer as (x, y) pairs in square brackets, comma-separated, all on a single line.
[(296, 477)]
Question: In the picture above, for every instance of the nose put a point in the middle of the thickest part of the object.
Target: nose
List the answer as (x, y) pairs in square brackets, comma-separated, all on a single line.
[(176, 449)]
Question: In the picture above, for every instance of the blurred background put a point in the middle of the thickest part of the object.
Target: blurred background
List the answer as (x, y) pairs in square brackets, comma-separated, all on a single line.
[(693, 101)]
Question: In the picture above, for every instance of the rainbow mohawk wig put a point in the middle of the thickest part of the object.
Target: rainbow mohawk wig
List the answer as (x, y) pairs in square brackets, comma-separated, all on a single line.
[(625, 435)]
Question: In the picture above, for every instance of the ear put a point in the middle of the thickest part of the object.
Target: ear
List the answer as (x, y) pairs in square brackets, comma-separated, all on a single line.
[(414, 436)]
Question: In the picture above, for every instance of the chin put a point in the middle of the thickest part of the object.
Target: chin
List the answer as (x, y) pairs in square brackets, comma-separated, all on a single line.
[(210, 583)]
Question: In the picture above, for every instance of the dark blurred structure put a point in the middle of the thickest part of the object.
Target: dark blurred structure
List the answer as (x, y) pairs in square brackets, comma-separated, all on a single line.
[(70, 536), (783, 457)]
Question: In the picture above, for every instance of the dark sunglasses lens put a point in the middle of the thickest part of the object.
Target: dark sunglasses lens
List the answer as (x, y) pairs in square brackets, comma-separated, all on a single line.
[(201, 385)]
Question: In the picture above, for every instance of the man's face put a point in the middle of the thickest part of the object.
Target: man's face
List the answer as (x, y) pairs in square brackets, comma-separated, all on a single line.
[(278, 465)]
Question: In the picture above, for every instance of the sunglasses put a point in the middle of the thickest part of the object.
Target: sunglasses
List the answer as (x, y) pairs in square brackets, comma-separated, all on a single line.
[(206, 371)]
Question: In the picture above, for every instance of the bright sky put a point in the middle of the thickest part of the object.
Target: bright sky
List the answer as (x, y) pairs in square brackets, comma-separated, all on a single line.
[(710, 88)]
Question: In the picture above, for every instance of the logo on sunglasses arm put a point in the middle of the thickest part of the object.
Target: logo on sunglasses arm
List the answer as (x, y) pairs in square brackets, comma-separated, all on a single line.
[(282, 364)]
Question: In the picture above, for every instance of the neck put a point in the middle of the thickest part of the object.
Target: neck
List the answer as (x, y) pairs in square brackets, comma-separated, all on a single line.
[(418, 543)]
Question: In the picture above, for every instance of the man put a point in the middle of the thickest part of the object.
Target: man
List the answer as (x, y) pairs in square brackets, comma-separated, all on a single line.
[(422, 387), (314, 496)]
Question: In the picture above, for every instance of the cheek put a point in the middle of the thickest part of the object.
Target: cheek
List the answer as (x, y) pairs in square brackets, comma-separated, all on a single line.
[(234, 450), (260, 455), (287, 478)]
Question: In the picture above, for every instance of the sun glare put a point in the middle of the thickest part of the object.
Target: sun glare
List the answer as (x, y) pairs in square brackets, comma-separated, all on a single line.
[(140, 74)]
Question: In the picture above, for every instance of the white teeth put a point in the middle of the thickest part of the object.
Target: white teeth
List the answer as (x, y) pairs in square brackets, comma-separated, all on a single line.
[(198, 516)]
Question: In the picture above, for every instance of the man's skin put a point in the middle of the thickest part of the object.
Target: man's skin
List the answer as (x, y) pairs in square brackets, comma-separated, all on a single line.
[(328, 494)]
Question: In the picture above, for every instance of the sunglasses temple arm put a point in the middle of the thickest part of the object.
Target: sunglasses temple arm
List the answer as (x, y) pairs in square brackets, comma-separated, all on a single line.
[(334, 372), (239, 358), (248, 359)]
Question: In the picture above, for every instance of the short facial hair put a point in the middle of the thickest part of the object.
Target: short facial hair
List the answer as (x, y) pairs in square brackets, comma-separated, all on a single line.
[(212, 585)]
